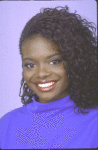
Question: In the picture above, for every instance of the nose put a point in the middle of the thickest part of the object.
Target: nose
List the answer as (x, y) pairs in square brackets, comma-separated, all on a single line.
[(43, 71)]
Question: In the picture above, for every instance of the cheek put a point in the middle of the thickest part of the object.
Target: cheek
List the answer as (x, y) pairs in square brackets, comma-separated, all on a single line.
[(63, 72), (64, 67), (26, 75), (64, 76)]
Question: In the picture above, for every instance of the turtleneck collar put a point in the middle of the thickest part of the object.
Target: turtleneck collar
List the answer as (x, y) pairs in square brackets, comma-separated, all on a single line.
[(62, 103)]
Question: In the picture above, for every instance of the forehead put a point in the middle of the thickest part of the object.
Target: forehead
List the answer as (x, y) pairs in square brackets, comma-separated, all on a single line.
[(38, 45)]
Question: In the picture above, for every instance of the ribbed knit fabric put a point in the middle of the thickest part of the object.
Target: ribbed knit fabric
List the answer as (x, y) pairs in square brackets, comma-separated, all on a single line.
[(51, 125)]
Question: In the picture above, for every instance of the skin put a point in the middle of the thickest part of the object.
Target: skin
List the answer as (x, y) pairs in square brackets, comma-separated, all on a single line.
[(41, 68)]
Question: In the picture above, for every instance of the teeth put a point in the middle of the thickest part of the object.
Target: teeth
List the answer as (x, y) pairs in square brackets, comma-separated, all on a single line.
[(46, 84)]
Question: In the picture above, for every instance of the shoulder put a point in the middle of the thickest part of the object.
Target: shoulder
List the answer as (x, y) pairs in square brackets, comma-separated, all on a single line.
[(9, 119), (5, 119)]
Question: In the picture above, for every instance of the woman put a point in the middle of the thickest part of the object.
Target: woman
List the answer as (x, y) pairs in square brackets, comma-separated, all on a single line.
[(58, 51)]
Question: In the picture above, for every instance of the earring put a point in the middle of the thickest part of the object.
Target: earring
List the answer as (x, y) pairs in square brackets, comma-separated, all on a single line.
[(23, 89)]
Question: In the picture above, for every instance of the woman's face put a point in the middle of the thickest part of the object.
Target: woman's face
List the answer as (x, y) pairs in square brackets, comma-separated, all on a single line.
[(43, 62)]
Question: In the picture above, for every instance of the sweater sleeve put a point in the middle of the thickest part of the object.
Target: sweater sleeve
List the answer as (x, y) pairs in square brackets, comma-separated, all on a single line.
[(4, 122)]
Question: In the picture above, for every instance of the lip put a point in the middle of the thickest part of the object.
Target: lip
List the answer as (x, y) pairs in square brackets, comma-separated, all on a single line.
[(45, 81), (46, 89)]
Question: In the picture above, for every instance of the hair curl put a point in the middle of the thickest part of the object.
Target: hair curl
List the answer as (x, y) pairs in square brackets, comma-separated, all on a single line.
[(76, 38)]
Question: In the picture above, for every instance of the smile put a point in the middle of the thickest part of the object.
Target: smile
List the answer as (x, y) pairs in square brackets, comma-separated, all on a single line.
[(46, 86)]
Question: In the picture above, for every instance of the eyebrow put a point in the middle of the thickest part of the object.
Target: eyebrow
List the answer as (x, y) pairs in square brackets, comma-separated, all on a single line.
[(47, 57)]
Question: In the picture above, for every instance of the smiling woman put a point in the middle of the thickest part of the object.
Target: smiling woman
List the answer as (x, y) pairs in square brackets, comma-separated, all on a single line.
[(58, 52), (53, 31)]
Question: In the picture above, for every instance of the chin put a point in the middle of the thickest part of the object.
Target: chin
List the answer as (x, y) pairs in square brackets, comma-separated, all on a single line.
[(48, 99)]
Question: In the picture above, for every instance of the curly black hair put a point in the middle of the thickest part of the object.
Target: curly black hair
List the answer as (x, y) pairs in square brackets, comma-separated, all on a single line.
[(76, 38)]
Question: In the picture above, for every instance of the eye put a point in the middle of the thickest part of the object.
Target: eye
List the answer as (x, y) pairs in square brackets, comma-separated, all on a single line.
[(56, 61), (29, 65)]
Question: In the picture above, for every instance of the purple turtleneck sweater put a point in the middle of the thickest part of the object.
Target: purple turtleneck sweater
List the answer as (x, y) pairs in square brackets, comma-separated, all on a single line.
[(51, 125)]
